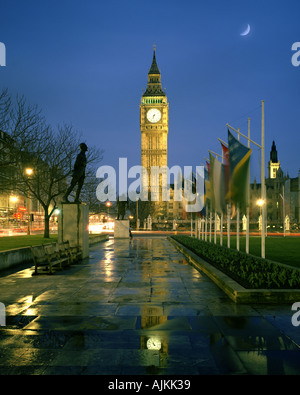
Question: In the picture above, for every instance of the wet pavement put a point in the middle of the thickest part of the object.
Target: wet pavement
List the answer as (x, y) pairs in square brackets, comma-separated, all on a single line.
[(138, 308)]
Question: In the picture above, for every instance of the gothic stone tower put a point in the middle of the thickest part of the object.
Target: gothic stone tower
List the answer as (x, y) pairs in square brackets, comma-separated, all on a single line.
[(154, 124), (274, 164)]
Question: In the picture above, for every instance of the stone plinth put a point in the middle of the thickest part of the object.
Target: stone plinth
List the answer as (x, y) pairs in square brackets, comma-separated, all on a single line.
[(121, 229), (73, 225)]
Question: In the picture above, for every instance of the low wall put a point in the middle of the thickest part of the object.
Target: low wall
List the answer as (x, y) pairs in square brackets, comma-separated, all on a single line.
[(23, 255), (14, 257), (235, 291), (93, 239)]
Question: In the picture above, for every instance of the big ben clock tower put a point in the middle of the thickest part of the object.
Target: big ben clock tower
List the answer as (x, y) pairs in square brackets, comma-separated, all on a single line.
[(154, 124)]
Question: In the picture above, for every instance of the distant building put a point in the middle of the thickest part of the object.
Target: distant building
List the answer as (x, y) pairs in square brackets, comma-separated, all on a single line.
[(13, 204), (283, 194), (273, 164)]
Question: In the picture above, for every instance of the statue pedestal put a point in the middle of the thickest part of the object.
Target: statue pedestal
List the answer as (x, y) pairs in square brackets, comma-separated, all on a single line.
[(121, 229), (73, 225)]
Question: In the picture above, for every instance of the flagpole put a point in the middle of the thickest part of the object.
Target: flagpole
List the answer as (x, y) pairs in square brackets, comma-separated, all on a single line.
[(210, 223), (263, 211), (228, 225), (253, 142), (247, 209), (283, 210), (263, 188), (221, 228), (200, 229), (215, 236), (238, 227), (238, 215)]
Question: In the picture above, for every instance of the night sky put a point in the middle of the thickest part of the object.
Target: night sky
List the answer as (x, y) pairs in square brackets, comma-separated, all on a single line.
[(86, 63)]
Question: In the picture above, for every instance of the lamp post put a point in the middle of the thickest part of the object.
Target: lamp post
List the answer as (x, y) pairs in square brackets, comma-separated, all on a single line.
[(108, 204), (29, 172), (263, 182), (283, 209), (261, 203)]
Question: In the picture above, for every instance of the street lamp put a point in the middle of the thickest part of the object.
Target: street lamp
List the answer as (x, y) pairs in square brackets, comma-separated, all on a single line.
[(108, 204), (29, 172), (260, 203)]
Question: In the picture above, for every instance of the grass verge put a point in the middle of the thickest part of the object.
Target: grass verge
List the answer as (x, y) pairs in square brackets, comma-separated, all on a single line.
[(11, 242)]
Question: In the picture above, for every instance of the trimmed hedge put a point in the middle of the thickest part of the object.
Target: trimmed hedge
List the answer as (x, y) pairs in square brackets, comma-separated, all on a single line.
[(248, 270)]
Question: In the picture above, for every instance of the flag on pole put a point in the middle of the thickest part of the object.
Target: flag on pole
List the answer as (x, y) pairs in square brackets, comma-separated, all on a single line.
[(206, 184), (225, 152), (217, 184), (206, 190), (239, 162)]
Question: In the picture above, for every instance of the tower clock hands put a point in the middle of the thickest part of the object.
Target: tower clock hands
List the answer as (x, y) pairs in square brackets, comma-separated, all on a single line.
[(153, 115)]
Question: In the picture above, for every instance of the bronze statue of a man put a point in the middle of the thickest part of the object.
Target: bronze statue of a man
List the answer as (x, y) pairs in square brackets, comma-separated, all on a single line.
[(121, 208), (78, 174)]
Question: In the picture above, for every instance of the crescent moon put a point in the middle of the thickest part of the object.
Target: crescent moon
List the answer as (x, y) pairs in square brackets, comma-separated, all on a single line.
[(246, 31)]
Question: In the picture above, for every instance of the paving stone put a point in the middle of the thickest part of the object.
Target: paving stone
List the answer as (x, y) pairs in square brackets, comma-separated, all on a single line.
[(138, 308)]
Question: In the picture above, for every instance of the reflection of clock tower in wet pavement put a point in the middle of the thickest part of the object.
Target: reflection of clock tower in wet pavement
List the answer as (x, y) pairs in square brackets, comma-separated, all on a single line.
[(154, 123)]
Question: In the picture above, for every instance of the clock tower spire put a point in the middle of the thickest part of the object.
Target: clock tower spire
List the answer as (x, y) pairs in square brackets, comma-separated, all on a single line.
[(154, 79), (154, 126)]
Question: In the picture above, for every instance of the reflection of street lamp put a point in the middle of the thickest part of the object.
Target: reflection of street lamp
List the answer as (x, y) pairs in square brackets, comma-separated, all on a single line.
[(28, 172)]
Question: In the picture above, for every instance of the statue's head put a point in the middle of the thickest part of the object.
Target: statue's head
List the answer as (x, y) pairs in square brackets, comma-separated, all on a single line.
[(83, 147)]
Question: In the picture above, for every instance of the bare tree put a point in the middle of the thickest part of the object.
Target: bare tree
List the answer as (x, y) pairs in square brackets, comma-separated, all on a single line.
[(31, 143), (20, 124), (51, 160)]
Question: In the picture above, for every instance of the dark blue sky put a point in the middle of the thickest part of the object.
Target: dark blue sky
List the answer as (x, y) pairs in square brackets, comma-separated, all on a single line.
[(86, 63)]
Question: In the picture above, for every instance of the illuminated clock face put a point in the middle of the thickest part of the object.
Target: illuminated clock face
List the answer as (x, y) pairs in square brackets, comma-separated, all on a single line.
[(153, 115), (153, 343)]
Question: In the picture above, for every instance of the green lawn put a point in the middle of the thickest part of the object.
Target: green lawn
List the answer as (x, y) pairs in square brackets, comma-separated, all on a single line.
[(10, 242), (278, 248)]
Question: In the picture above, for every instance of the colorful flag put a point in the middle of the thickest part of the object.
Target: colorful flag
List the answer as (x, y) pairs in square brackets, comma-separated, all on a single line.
[(239, 162), (217, 183), (225, 152), (206, 184)]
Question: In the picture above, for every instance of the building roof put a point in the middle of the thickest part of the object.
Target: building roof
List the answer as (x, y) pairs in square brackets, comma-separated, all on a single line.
[(154, 87), (154, 68)]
